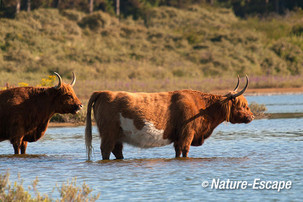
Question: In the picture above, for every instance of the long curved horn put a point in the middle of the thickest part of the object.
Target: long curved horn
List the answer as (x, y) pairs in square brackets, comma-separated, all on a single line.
[(237, 86), (60, 81), (74, 80), (242, 91)]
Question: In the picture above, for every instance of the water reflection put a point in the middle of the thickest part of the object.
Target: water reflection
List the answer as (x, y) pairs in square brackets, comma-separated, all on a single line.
[(23, 156), (156, 161)]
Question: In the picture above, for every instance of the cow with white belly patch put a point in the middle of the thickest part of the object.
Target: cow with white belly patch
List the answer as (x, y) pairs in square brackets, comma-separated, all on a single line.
[(185, 118)]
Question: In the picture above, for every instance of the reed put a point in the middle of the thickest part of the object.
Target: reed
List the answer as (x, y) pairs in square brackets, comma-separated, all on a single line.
[(68, 191)]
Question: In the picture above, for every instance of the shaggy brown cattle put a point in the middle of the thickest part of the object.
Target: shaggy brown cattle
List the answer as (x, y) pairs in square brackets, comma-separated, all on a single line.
[(183, 117), (25, 111)]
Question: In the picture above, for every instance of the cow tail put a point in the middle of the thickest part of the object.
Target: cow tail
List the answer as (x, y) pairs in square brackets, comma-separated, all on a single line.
[(88, 129)]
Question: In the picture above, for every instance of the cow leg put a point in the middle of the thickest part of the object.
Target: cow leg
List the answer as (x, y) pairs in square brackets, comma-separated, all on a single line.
[(17, 145), (109, 138), (117, 151), (106, 147), (23, 147), (185, 151), (17, 137), (177, 150), (16, 148), (181, 149), (105, 153), (184, 143), (16, 142)]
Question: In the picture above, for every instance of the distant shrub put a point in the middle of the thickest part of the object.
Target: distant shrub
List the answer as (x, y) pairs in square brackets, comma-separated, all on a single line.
[(297, 30), (291, 53), (97, 20), (72, 15), (258, 109), (58, 118), (179, 73)]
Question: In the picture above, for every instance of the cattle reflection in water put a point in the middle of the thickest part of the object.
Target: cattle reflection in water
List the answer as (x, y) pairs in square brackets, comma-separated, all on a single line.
[(25, 111), (184, 117)]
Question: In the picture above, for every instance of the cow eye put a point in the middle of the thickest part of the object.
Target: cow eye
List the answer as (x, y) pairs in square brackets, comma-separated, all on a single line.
[(69, 96)]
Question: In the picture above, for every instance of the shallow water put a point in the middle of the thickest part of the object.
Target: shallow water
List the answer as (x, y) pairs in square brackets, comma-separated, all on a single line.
[(265, 149), (292, 103)]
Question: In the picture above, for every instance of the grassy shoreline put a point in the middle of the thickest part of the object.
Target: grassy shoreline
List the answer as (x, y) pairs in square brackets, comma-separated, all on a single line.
[(219, 85)]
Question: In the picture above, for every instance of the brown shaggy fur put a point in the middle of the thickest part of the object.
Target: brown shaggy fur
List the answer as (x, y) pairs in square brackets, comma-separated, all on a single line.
[(25, 112), (187, 117)]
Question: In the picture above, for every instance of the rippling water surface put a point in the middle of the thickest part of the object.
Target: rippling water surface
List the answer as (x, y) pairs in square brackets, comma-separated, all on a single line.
[(266, 149), (280, 103)]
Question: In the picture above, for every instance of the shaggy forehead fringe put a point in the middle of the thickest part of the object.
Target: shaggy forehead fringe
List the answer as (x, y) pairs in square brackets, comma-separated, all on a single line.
[(65, 88), (226, 105), (240, 101)]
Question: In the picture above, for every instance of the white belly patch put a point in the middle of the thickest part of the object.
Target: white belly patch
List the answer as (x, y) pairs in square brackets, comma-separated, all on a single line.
[(148, 136)]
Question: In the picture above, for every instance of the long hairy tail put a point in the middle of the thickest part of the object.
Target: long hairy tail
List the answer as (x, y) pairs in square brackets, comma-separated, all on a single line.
[(88, 129)]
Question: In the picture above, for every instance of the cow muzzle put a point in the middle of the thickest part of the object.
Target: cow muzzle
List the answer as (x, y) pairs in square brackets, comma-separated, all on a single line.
[(77, 108), (249, 119)]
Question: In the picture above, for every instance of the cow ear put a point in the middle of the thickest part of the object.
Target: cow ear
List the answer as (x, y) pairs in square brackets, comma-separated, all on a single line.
[(60, 81), (226, 98)]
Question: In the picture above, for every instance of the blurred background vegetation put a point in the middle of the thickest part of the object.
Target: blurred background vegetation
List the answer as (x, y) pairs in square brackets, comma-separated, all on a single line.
[(152, 45)]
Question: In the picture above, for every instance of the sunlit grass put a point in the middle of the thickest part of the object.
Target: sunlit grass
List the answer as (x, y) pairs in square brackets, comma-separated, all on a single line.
[(169, 43)]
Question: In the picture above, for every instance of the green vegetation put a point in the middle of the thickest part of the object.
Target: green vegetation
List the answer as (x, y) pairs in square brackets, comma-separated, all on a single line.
[(68, 192), (168, 49)]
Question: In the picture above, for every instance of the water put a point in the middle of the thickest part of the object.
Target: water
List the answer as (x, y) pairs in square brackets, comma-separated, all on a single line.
[(280, 103), (269, 149)]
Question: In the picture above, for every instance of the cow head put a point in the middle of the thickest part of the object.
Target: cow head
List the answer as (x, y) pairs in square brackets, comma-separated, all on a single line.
[(66, 100), (236, 106)]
